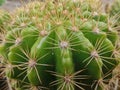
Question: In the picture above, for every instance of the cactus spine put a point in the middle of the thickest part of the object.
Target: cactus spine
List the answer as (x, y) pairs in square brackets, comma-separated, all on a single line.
[(115, 7), (59, 45), (114, 11)]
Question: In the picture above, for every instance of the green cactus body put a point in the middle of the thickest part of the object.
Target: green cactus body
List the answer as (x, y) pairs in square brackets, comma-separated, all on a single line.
[(64, 45)]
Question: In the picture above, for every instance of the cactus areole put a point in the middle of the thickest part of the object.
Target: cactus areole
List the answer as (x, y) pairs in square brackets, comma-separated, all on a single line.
[(59, 45)]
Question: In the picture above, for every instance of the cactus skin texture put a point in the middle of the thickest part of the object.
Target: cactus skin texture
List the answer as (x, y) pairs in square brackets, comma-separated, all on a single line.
[(59, 45)]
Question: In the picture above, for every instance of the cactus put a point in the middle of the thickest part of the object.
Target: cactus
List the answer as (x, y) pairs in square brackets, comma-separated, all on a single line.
[(114, 11), (115, 7), (59, 45), (4, 16)]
